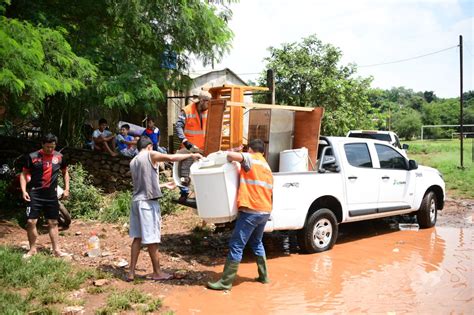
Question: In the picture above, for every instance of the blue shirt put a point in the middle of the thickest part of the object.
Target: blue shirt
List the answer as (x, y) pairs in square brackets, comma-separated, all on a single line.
[(154, 135), (120, 141)]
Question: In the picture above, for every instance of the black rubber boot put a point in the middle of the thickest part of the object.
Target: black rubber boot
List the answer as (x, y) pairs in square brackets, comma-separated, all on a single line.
[(228, 276), (262, 270)]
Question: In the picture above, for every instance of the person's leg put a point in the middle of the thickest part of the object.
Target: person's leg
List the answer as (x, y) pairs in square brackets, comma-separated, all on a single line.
[(150, 219), (108, 149), (258, 249), (32, 215), (51, 214), (135, 233), (255, 240), (32, 234), (135, 252), (158, 274), (54, 235), (244, 227)]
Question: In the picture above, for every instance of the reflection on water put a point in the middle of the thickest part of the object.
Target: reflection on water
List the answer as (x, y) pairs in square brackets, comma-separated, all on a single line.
[(371, 269)]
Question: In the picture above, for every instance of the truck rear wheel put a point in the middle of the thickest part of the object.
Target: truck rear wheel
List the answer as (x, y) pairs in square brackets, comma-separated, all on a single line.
[(428, 212), (319, 233)]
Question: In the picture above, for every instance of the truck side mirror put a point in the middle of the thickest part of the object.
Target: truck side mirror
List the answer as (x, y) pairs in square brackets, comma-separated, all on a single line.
[(405, 146), (412, 165)]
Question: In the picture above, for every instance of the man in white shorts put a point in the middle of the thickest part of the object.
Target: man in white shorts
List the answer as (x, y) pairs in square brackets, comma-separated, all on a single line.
[(145, 215)]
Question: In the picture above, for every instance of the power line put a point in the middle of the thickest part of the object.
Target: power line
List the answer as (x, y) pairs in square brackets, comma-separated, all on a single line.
[(408, 59)]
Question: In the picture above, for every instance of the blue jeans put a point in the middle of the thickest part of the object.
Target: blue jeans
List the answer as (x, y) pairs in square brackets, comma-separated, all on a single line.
[(184, 191), (248, 229)]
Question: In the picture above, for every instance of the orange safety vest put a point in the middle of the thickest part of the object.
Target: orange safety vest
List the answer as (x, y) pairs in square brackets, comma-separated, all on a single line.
[(256, 185), (195, 128)]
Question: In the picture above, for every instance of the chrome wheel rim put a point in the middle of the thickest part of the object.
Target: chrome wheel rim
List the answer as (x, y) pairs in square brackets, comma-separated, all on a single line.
[(322, 233)]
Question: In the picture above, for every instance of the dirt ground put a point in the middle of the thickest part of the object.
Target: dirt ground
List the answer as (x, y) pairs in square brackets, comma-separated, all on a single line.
[(358, 260)]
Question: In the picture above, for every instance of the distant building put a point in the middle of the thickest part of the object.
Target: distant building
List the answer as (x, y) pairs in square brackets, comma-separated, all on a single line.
[(177, 101)]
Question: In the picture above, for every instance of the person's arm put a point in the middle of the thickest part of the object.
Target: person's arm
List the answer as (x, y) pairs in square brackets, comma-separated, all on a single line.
[(109, 136), (23, 182), (97, 137), (169, 185), (66, 182), (161, 157), (242, 158), (235, 156), (180, 127)]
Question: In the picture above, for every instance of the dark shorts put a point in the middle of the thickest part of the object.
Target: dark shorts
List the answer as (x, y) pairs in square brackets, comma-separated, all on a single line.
[(50, 208)]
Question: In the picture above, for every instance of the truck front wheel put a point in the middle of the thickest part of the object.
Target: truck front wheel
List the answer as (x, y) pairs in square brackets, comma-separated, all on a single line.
[(428, 212), (319, 233)]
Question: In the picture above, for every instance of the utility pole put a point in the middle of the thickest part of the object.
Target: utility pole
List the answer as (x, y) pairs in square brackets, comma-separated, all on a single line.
[(461, 118), (271, 86)]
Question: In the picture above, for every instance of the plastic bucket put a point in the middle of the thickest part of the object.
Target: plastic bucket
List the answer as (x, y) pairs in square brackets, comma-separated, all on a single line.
[(295, 160)]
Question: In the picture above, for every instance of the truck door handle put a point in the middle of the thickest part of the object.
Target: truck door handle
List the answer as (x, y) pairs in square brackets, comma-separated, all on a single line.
[(385, 177), (352, 177)]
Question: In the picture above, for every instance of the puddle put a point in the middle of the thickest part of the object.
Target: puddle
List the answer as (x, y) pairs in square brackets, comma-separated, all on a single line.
[(377, 270)]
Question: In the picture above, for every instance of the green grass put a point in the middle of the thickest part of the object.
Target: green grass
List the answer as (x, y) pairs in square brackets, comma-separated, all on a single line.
[(130, 300), (46, 280), (444, 155)]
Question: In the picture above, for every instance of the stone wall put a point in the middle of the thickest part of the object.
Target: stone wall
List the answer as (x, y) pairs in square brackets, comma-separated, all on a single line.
[(109, 173)]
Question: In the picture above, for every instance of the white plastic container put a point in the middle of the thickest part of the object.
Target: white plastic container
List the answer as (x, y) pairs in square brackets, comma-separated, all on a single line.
[(216, 186), (93, 245), (295, 160)]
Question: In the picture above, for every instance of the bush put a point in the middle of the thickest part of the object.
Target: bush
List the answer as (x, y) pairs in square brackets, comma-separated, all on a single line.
[(85, 200), (167, 205), (119, 209)]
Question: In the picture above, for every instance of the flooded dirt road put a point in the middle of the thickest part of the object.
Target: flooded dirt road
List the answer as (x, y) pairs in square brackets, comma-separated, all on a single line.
[(373, 268)]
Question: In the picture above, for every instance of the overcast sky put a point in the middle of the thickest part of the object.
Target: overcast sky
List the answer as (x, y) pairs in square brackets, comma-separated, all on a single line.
[(368, 32)]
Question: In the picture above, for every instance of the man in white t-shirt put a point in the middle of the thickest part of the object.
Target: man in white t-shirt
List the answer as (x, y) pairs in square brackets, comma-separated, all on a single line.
[(103, 139)]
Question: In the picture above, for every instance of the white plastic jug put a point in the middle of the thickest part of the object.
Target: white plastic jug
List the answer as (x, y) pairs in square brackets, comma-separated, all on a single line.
[(93, 245)]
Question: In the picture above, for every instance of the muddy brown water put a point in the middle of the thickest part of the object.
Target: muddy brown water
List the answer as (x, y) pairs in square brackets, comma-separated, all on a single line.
[(373, 268)]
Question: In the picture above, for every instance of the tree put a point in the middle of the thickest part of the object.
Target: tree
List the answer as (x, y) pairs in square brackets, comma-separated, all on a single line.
[(141, 47), (308, 74), (407, 123), (37, 62)]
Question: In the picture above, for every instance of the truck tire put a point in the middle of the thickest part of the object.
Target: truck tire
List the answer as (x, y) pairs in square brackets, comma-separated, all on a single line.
[(64, 219), (428, 212), (319, 232)]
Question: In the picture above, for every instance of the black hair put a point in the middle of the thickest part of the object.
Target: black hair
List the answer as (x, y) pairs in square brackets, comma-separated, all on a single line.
[(143, 142), (150, 119), (257, 145), (126, 126), (102, 121), (49, 138)]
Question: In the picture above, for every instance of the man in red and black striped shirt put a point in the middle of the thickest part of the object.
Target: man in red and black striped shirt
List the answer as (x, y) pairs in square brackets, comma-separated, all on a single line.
[(44, 166)]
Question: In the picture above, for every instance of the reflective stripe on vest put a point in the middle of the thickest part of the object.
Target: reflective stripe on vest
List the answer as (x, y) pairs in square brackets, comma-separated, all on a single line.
[(195, 126), (256, 182), (255, 189)]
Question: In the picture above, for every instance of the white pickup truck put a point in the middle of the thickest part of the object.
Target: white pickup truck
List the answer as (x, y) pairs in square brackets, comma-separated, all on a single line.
[(356, 179)]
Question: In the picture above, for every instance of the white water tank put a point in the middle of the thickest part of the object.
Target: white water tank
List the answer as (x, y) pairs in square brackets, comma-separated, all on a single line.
[(216, 183), (295, 160)]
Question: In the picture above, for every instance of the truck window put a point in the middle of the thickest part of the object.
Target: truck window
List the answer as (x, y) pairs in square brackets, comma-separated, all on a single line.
[(389, 158), (375, 136), (358, 154)]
